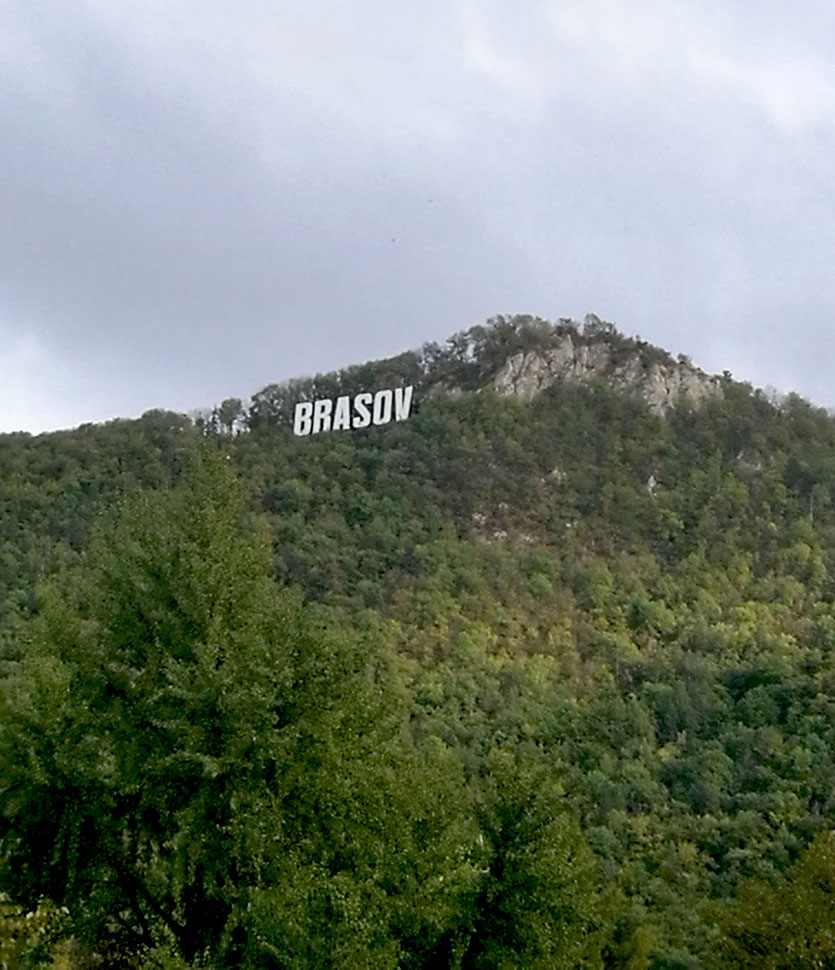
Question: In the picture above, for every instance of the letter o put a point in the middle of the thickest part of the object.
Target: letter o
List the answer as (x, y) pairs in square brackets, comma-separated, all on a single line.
[(382, 407)]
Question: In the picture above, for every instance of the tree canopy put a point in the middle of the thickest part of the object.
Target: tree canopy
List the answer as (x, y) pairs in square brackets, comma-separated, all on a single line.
[(512, 683)]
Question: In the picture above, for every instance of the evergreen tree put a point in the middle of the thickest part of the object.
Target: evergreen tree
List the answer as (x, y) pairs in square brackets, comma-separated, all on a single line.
[(184, 749)]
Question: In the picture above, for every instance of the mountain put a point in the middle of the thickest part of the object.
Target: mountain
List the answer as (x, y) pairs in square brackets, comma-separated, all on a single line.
[(584, 598)]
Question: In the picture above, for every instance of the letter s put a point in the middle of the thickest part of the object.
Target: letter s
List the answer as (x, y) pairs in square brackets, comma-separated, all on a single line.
[(362, 417)]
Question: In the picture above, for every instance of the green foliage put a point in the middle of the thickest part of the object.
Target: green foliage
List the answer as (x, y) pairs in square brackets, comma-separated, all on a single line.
[(28, 938), (538, 905), (788, 925), (355, 705), (181, 745)]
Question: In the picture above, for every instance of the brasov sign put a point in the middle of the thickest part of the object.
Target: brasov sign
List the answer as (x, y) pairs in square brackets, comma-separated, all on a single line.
[(346, 412)]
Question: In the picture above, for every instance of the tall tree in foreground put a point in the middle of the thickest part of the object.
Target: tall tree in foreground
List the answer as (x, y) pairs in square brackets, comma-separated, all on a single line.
[(538, 905), (193, 765)]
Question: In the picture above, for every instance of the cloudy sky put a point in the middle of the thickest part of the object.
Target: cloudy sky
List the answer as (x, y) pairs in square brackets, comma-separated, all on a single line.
[(200, 198)]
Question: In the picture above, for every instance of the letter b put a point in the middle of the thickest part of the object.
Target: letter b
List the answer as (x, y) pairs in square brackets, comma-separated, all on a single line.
[(303, 418)]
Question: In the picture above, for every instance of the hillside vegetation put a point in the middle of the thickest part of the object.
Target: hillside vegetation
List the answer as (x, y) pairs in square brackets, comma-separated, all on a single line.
[(529, 680)]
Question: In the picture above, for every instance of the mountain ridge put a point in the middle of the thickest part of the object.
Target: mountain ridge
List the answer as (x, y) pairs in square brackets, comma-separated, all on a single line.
[(514, 355), (517, 355)]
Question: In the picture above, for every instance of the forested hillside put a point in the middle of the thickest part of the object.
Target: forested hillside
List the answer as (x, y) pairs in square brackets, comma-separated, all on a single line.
[(542, 676)]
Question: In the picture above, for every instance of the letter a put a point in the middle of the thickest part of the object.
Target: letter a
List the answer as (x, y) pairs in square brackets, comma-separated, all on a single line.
[(342, 414)]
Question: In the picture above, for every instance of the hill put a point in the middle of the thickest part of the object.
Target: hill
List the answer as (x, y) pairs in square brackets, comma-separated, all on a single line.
[(596, 586)]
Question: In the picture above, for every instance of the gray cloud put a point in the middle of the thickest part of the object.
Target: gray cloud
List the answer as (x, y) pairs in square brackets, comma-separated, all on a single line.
[(198, 199)]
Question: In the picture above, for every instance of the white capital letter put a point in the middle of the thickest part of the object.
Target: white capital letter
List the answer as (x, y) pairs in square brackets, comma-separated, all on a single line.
[(362, 418), (342, 414), (382, 407), (322, 415), (402, 402), (301, 418)]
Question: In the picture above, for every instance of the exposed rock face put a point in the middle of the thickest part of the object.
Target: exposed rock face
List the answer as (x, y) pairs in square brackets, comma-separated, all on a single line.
[(661, 385)]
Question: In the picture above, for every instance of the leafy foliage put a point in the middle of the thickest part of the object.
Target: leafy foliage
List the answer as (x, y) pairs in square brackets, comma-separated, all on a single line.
[(508, 684), (790, 924)]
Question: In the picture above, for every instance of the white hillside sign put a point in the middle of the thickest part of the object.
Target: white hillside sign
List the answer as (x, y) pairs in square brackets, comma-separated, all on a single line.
[(345, 413)]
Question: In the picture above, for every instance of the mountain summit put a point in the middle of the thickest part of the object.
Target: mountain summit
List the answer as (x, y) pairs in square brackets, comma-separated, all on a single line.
[(513, 355), (637, 368)]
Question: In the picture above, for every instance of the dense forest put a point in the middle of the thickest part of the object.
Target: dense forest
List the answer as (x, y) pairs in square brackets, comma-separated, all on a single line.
[(515, 683)]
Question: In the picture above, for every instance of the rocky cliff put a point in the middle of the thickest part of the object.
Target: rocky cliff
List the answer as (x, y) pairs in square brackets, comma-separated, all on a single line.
[(661, 383)]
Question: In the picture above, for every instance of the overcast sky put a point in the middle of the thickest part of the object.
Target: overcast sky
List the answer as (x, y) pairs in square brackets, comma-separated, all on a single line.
[(200, 198)]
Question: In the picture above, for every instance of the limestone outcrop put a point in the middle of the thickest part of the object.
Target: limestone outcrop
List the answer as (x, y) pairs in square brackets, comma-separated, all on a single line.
[(662, 384)]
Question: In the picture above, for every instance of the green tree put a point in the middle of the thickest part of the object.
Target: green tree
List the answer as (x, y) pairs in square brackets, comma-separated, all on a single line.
[(539, 905), (790, 925), (181, 745), (230, 414)]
